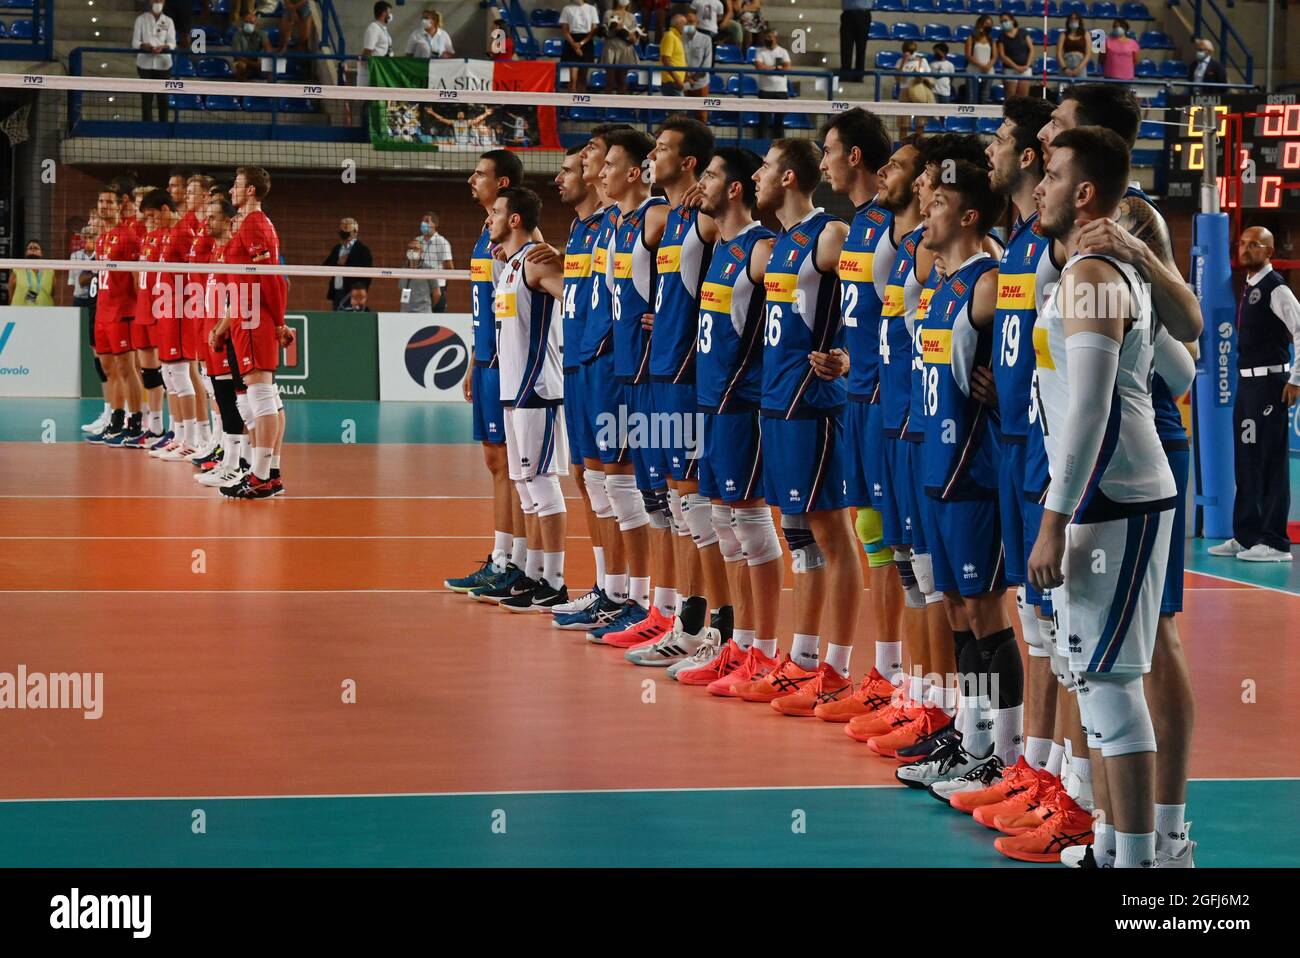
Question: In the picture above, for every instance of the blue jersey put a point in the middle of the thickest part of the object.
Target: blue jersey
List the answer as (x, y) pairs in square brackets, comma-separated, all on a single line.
[(681, 262), (896, 340), (577, 290), (960, 451), (484, 269), (914, 430), (729, 352), (1025, 274), (803, 316), (866, 263), (633, 278), (598, 334)]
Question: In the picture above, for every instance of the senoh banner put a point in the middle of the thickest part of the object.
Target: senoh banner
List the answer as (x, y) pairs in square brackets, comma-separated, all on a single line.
[(39, 351), (423, 357)]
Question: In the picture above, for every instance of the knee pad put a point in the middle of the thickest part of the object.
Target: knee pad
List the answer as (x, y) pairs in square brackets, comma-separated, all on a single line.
[(656, 509), (724, 533), (1117, 711), (912, 596), (1029, 626), (99, 371), (870, 530), (526, 502), (923, 569), (547, 496), (757, 534), (178, 379), (697, 513), (677, 509), (1061, 669), (261, 399), (594, 479), (805, 554), (625, 499), (151, 377)]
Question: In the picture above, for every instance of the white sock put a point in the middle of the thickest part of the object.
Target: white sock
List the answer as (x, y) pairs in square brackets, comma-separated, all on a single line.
[(1103, 845), (1171, 825), (889, 659), (1134, 850), (766, 646), (519, 552), (599, 553), (681, 601), (262, 462), (616, 586), (202, 433), (1007, 724), (935, 696), (639, 590), (190, 433), (1055, 759), (916, 688), (837, 657), (1082, 769), (245, 448), (502, 543), (275, 462), (803, 650), (533, 564), (665, 600), (230, 453), (743, 637), (108, 409), (156, 421), (976, 730), (1038, 751), (553, 569)]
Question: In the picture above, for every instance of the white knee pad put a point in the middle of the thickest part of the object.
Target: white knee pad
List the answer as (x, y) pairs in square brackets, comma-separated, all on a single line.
[(625, 498), (177, 378), (245, 407), (1117, 713), (677, 508), (805, 554), (526, 503), (1029, 626), (656, 509), (261, 399), (547, 496), (697, 513), (595, 482), (757, 534), (724, 533), (923, 569), (1061, 669)]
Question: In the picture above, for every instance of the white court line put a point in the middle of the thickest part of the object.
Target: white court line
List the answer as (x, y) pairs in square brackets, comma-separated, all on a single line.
[(539, 791), (1252, 585), (164, 497), (199, 535)]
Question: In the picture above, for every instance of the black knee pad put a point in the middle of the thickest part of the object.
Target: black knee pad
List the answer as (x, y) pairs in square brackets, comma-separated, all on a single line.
[(970, 666), (1001, 658), (152, 377), (223, 390), (99, 371)]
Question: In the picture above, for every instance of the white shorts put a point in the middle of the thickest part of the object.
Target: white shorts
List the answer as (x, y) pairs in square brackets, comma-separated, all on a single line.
[(536, 442), (1110, 604)]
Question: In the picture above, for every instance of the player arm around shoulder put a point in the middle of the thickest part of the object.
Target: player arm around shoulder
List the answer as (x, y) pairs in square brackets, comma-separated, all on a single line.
[(547, 276), (835, 363)]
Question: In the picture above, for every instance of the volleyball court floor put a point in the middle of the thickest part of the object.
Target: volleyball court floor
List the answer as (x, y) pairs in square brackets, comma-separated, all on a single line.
[(476, 737)]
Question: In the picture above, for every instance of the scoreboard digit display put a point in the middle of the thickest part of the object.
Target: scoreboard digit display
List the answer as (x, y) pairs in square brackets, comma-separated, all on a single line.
[(1268, 155)]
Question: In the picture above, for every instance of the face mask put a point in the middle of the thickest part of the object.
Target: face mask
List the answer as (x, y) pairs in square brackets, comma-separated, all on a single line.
[(412, 255), (33, 256), (688, 30), (1075, 24), (1006, 24), (427, 23), (425, 227), (157, 9), (249, 27), (1202, 55), (344, 235), (1117, 32)]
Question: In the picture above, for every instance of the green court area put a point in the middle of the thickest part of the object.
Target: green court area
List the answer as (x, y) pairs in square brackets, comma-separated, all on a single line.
[(1237, 823)]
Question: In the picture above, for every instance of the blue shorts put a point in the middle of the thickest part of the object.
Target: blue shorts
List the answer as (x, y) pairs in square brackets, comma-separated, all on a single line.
[(896, 507), (1011, 501), (1032, 510), (574, 419), (967, 549), (642, 437), (601, 398), (923, 529), (731, 468), (864, 455), (1180, 461), (679, 456), (489, 422), (803, 464)]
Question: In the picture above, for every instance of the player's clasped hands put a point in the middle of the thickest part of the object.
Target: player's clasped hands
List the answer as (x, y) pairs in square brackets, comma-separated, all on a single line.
[(831, 365)]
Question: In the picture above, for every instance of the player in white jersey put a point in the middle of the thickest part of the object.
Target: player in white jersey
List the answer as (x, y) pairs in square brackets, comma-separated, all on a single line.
[(532, 393), (1106, 527)]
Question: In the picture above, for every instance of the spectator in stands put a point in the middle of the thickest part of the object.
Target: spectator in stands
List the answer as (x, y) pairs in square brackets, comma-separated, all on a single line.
[(578, 23), (1015, 51), (32, 287), (355, 300), (1119, 62), (729, 28), (1074, 47), (295, 24), (672, 53), (500, 46), (942, 66), (435, 254), (430, 41), (855, 27), (249, 38), (699, 60), (979, 56), (154, 37), (417, 295), (751, 20), (1204, 68), (621, 37), (919, 88), (349, 252), (771, 86), (377, 41), (708, 13)]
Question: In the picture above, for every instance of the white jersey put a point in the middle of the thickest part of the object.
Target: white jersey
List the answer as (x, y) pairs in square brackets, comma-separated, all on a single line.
[(1132, 474), (529, 341)]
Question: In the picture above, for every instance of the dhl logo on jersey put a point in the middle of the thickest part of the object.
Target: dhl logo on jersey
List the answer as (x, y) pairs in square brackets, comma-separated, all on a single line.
[(503, 305), (715, 298), (893, 304), (1042, 353), (856, 267), (577, 265), (936, 346), (1016, 291), (669, 259), (480, 270), (780, 287), (622, 265), (923, 305), (600, 260)]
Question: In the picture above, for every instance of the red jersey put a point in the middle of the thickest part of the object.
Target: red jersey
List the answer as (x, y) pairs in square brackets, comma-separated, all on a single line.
[(145, 281), (200, 251), (255, 241), (138, 229), (190, 222), (116, 301), (216, 298), (167, 290)]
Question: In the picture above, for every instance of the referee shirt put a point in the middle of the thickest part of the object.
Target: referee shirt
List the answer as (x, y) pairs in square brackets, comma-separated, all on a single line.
[(1283, 305)]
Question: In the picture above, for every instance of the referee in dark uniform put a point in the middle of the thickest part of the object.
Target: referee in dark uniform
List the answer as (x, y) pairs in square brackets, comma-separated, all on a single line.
[(1268, 323)]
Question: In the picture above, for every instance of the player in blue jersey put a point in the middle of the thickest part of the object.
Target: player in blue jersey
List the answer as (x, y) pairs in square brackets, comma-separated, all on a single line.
[(495, 170), (802, 428), (1138, 235)]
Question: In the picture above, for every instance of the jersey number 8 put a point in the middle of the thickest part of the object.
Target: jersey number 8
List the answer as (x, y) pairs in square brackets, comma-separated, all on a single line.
[(930, 387)]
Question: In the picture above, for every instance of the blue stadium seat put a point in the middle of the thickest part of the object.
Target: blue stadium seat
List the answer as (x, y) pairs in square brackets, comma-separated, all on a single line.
[(545, 18), (1151, 131), (184, 101), (952, 6), (21, 30), (1053, 65), (751, 55), (1053, 35), (272, 34), (962, 32), (650, 53), (988, 125), (888, 59), (717, 85), (1035, 34), (733, 85), (959, 124), (748, 85), (182, 66), (258, 104), (934, 125), (1103, 10), (553, 48), (215, 36), (1155, 40), (1074, 6), (879, 30), (1094, 68), (1017, 8), (922, 6), (1135, 11), (1160, 100), (798, 121), (904, 30), (295, 105), (4, 31), (1147, 68), (596, 80), (623, 116), (1174, 70), (998, 93), (889, 6), (934, 32), (983, 6), (725, 53), (749, 119), (219, 102), (1053, 8), (958, 61), (218, 6), (212, 69)]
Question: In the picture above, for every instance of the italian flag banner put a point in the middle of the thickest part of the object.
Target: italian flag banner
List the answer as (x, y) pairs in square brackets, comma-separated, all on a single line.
[(460, 125)]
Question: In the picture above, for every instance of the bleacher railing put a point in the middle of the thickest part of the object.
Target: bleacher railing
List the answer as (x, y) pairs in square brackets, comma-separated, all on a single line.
[(38, 43)]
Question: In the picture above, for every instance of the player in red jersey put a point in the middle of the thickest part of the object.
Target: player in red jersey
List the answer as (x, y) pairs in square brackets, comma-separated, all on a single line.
[(197, 188), (144, 332), (112, 317)]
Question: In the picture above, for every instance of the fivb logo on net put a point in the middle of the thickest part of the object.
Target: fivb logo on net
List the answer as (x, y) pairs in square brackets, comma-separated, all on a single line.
[(180, 298), (627, 429)]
